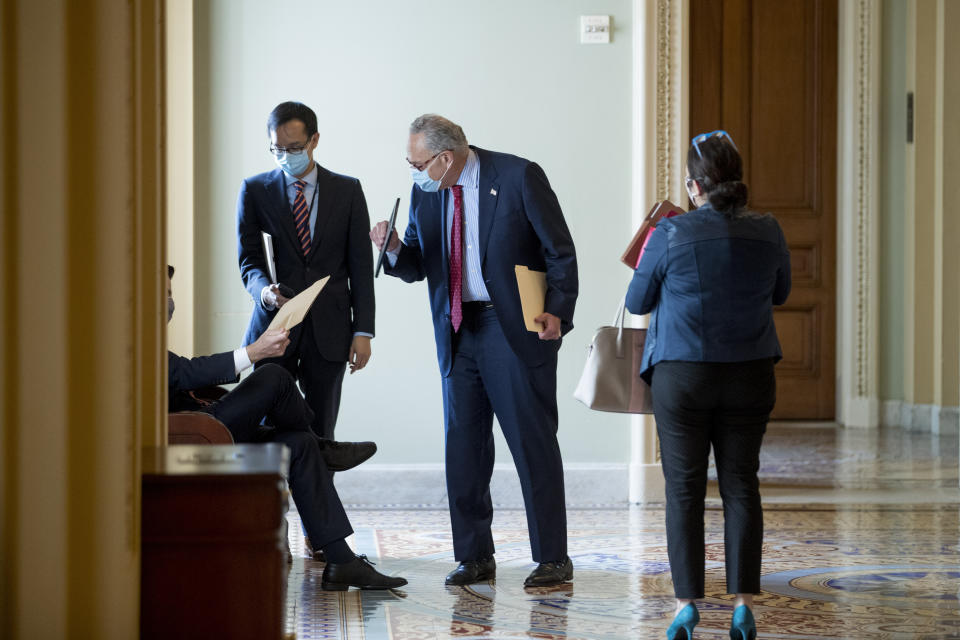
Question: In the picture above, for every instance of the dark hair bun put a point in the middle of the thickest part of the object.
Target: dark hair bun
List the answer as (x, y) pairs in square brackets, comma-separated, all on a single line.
[(728, 196)]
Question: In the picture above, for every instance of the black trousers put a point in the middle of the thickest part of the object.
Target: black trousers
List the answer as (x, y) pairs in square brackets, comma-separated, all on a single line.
[(320, 379), (726, 405), (488, 379), (271, 392)]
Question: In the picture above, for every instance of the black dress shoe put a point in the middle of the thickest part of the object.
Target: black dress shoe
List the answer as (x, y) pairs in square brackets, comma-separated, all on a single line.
[(341, 456), (550, 573), (472, 572), (359, 573)]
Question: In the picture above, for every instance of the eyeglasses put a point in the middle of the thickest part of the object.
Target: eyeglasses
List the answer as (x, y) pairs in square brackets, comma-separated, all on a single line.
[(703, 137), (423, 165), (293, 151)]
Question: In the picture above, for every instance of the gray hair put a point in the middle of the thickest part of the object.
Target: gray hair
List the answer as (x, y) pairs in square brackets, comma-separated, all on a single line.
[(439, 134)]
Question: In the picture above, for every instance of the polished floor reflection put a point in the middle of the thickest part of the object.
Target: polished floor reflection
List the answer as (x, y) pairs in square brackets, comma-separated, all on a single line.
[(849, 569)]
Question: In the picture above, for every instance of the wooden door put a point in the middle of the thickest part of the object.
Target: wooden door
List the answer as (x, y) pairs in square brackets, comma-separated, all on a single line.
[(766, 72)]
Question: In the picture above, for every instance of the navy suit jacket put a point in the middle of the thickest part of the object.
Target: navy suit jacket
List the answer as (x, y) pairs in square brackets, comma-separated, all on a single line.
[(189, 374), (520, 223), (340, 249), (711, 282)]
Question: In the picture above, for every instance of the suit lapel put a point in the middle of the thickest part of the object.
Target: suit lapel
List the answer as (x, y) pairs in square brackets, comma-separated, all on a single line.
[(488, 195), (432, 228), (324, 196), (280, 208)]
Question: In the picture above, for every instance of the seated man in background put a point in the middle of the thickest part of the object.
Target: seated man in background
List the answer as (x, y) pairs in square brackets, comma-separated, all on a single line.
[(270, 392)]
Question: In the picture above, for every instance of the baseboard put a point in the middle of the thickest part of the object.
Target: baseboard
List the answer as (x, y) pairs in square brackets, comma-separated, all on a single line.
[(646, 483), (927, 418), (861, 412), (424, 486), (946, 421), (891, 415)]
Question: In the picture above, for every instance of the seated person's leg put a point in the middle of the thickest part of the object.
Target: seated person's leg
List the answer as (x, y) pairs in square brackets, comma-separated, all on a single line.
[(317, 501), (324, 518), (269, 391)]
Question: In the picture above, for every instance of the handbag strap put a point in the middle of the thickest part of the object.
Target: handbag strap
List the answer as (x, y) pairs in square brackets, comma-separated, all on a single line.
[(618, 323)]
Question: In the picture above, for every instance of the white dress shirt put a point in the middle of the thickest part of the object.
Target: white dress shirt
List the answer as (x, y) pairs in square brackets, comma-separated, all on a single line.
[(241, 360)]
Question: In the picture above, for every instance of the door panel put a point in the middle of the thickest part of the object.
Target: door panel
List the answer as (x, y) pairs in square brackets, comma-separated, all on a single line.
[(766, 71)]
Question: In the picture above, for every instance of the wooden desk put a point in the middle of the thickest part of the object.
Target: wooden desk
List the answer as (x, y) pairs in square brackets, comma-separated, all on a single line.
[(213, 553)]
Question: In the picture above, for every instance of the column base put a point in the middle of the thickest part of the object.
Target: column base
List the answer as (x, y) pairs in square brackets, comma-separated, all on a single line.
[(646, 483)]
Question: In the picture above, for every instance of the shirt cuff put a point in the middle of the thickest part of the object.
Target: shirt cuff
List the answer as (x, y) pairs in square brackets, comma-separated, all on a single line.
[(241, 360), (362, 333), (269, 299), (392, 256)]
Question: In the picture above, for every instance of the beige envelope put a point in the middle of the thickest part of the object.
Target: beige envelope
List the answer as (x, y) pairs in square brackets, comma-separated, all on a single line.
[(293, 313), (533, 295)]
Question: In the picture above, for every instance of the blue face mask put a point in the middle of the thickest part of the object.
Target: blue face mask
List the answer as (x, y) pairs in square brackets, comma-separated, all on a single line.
[(423, 180), (293, 164)]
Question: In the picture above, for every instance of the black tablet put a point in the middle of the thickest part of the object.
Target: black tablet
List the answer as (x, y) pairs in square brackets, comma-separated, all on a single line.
[(386, 243)]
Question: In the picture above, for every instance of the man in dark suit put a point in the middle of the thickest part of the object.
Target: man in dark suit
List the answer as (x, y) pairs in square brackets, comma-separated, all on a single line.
[(474, 216), (270, 392), (318, 222)]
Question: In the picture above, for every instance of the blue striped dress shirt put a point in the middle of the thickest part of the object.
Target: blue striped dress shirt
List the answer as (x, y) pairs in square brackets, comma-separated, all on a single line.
[(474, 288)]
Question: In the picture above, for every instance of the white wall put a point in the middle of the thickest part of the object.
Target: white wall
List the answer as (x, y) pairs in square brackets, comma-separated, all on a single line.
[(513, 74)]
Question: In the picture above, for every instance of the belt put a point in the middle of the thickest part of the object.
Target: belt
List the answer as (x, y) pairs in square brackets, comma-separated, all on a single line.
[(476, 306)]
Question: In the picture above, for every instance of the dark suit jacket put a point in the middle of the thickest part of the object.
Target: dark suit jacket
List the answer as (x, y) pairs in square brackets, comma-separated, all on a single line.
[(710, 282), (520, 222), (341, 249), (188, 374)]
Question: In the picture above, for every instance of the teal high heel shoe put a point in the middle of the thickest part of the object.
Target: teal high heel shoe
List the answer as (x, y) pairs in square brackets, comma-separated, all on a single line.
[(743, 626), (683, 624)]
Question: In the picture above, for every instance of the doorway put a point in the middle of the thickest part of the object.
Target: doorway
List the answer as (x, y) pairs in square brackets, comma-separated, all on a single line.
[(766, 72)]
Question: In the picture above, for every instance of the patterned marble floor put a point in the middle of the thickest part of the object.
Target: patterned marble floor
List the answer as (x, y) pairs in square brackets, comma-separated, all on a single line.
[(824, 455), (846, 570)]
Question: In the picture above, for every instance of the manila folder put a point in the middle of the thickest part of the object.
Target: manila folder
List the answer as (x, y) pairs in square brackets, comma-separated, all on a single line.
[(295, 310), (533, 294)]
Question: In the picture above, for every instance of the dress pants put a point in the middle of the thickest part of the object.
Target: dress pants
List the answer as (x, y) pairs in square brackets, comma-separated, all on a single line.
[(727, 405), (320, 379), (487, 378), (272, 392)]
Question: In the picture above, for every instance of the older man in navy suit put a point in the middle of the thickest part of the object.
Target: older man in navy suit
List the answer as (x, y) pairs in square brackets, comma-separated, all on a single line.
[(474, 216)]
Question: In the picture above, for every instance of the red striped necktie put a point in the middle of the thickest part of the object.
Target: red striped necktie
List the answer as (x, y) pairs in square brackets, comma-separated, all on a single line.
[(456, 260), (301, 214)]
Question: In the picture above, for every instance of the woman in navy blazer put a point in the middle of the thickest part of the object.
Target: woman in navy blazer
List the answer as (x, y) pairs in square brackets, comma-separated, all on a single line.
[(710, 279)]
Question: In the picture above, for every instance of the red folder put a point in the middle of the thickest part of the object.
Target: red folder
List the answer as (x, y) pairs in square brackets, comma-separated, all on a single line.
[(664, 209)]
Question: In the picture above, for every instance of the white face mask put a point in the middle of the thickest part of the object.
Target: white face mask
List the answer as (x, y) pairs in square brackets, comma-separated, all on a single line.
[(422, 176), (293, 164)]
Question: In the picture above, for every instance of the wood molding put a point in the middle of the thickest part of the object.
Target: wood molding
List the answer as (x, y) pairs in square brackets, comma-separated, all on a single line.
[(858, 237), (84, 337)]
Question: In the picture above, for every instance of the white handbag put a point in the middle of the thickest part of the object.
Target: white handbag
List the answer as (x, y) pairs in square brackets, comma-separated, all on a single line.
[(611, 378)]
